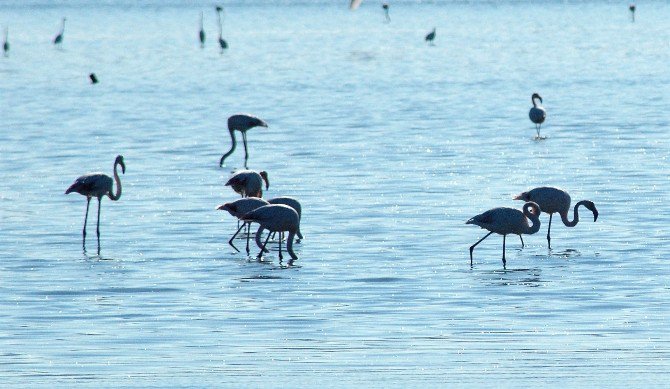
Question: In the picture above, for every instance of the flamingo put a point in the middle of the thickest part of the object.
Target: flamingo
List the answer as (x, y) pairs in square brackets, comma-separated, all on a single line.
[(385, 7), (554, 200), (631, 7), (249, 183), (93, 78), (537, 114), (506, 221), (276, 218), (222, 42), (239, 208), (431, 36), (5, 44), (59, 38), (201, 34), (98, 185), (291, 202), (241, 123)]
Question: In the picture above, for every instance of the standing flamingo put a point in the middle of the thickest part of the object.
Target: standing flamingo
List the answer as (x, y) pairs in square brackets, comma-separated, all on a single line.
[(241, 123), (537, 114), (431, 36), (59, 38), (239, 208), (98, 185), (201, 33), (5, 43), (222, 42), (276, 218), (553, 200), (385, 7), (249, 183), (506, 221), (631, 7)]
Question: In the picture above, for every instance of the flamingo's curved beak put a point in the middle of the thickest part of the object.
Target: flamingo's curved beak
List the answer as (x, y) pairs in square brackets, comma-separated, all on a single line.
[(519, 196)]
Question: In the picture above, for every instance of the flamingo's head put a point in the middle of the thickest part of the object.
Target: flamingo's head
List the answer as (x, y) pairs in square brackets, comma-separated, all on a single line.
[(525, 196), (264, 175), (230, 207), (536, 96), (119, 160), (592, 207)]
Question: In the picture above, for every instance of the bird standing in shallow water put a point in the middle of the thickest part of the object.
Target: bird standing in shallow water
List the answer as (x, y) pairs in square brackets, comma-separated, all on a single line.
[(632, 11), (98, 185), (431, 37), (276, 218), (59, 38), (241, 123), (239, 208), (201, 34), (5, 43), (385, 7), (537, 114), (553, 200), (222, 43), (249, 183), (506, 221)]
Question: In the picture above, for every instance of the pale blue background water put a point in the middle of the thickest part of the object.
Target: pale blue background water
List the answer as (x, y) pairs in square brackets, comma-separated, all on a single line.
[(390, 144)]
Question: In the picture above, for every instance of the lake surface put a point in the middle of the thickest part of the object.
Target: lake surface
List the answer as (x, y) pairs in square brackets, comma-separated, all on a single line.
[(389, 143)]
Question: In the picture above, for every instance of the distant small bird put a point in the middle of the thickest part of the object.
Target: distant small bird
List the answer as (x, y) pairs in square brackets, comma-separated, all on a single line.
[(59, 38), (241, 123), (249, 183), (98, 185), (94, 78), (201, 34), (385, 7), (276, 218), (239, 208), (431, 36), (506, 221), (554, 200), (222, 42), (632, 11), (5, 44), (537, 114)]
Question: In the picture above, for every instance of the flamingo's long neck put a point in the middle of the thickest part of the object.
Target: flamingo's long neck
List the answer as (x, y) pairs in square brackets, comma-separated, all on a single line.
[(575, 217), (533, 100), (232, 147), (218, 16), (62, 27), (117, 195), (533, 218)]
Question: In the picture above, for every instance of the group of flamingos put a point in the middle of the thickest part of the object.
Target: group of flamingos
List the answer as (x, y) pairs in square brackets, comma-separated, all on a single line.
[(282, 214)]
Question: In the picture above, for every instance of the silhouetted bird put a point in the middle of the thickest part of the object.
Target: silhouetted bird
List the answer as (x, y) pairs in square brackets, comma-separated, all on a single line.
[(5, 44), (241, 123), (431, 36), (201, 35), (222, 42), (632, 11), (94, 79), (537, 114), (59, 38), (385, 7)]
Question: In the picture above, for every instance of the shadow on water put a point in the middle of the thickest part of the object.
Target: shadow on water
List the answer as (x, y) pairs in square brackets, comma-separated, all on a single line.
[(514, 277)]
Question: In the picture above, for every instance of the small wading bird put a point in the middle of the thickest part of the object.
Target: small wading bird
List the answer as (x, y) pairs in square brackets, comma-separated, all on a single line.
[(554, 200), (249, 183), (537, 114), (201, 34), (222, 43), (276, 218), (505, 221), (385, 7), (632, 11), (431, 37), (239, 208), (291, 202), (98, 185), (93, 78), (59, 38), (241, 123), (5, 43)]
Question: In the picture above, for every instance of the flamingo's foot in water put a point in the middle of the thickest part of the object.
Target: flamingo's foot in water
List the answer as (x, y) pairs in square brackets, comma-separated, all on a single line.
[(539, 137)]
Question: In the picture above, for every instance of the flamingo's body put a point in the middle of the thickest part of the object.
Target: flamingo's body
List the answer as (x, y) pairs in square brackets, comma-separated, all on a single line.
[(59, 38), (98, 185), (222, 43), (537, 113), (554, 200), (505, 221), (276, 218), (249, 183), (431, 36), (5, 43), (293, 203), (241, 123), (239, 208), (201, 33)]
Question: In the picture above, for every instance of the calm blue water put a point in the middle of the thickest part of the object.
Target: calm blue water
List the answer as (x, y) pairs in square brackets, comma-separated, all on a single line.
[(390, 144)]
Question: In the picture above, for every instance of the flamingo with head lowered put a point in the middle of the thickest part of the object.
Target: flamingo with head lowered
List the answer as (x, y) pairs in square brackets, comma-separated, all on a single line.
[(553, 200), (241, 123), (249, 183), (98, 185), (239, 208), (505, 221), (276, 218)]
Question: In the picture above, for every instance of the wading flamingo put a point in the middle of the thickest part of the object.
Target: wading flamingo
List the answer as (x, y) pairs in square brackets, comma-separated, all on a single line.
[(241, 123), (239, 208), (249, 183), (5, 43), (98, 185), (430, 37), (59, 38), (201, 33), (276, 218), (553, 200), (537, 114), (506, 221), (222, 42)]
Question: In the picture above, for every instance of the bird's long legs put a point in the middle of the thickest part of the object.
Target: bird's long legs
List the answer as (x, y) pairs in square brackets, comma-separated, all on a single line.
[(537, 129), (474, 245), (504, 262), (246, 152), (88, 202), (260, 254), (280, 238), (549, 231), (97, 229), (522, 245), (230, 242), (248, 234)]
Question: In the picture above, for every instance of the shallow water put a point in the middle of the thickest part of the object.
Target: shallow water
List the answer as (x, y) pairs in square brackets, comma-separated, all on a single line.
[(390, 145)]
